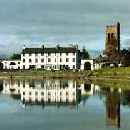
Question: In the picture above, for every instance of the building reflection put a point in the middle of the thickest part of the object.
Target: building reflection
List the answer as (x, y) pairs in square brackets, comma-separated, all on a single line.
[(89, 89), (46, 92), (67, 92)]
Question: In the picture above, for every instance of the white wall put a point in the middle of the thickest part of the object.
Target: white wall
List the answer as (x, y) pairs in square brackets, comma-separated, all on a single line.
[(6, 64), (55, 60), (85, 61)]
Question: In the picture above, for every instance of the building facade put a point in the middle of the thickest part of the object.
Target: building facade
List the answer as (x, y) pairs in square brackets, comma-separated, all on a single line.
[(50, 58), (11, 64)]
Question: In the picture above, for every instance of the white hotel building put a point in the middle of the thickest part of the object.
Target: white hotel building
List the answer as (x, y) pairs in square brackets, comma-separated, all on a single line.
[(56, 58), (50, 58)]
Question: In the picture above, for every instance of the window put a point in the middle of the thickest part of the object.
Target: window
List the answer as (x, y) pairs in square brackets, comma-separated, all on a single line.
[(18, 62), (36, 93), (73, 66), (49, 59), (42, 60), (23, 54), (73, 60), (42, 93), (49, 54), (36, 54), (60, 54), (42, 66), (12, 63), (67, 53), (23, 60), (55, 59), (23, 93), (30, 60), (60, 60), (36, 60), (23, 66), (30, 54), (30, 93), (18, 83), (24, 84), (42, 54), (67, 93), (32, 66), (74, 53), (67, 59)]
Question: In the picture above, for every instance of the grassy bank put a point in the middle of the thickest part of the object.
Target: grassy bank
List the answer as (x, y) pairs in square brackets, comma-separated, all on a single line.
[(45, 74), (114, 73), (123, 84), (107, 73)]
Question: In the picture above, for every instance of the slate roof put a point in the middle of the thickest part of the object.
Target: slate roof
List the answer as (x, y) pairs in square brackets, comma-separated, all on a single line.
[(50, 50)]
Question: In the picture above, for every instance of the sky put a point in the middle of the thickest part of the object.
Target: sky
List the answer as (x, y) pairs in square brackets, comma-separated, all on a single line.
[(36, 22)]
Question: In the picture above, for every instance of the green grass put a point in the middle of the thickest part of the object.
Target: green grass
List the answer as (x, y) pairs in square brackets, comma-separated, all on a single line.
[(113, 72), (123, 84), (45, 74)]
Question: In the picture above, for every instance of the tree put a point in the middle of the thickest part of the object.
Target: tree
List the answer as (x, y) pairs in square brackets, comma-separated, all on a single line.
[(125, 57), (85, 54), (15, 56)]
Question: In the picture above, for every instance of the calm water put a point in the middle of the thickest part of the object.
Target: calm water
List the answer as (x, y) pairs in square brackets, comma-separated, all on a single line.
[(62, 105)]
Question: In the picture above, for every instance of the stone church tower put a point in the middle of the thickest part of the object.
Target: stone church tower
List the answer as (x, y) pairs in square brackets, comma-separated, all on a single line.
[(112, 45)]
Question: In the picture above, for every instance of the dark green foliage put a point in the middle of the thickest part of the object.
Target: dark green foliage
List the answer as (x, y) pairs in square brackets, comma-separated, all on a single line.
[(15, 56), (125, 57), (85, 54)]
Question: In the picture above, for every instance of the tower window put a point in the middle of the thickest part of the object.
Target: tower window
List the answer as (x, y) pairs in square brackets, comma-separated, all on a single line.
[(109, 36), (112, 35)]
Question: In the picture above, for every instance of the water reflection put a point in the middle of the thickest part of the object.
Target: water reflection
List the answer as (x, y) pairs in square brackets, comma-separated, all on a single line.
[(67, 92), (112, 101), (113, 108), (43, 91)]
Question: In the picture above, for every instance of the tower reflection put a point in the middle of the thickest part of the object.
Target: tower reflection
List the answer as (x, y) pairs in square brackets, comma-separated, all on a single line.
[(113, 108)]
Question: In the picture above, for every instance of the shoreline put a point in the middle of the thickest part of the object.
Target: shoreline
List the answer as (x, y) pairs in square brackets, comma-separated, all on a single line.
[(102, 74)]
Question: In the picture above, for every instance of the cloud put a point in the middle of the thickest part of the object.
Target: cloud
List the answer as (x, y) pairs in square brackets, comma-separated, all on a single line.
[(33, 22)]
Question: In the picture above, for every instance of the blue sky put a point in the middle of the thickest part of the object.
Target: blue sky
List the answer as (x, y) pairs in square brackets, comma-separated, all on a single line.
[(37, 22)]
